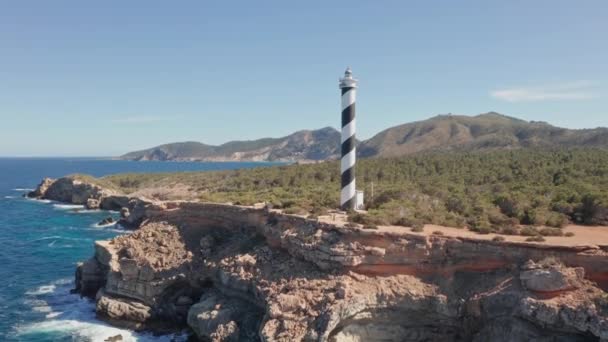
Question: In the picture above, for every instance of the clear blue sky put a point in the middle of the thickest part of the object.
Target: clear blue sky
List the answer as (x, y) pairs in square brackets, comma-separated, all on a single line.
[(106, 77)]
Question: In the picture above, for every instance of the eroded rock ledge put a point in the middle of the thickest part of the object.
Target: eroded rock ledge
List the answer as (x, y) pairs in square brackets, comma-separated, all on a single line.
[(233, 273)]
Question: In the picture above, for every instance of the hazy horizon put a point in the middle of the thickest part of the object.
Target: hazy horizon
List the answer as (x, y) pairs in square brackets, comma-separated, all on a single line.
[(103, 79)]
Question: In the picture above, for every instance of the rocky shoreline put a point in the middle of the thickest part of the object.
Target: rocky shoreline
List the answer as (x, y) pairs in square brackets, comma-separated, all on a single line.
[(232, 273)]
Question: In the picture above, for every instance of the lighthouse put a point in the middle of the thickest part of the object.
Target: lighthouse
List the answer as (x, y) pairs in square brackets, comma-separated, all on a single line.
[(348, 193)]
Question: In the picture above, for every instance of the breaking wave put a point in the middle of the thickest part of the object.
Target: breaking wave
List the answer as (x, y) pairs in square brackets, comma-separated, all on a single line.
[(68, 206), (69, 317)]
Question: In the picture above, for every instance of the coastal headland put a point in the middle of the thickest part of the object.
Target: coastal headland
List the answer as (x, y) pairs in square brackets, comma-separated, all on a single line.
[(231, 272)]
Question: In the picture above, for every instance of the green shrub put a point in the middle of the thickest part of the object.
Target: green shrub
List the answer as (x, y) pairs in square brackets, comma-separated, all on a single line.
[(357, 217), (481, 226), (569, 234), (509, 230), (295, 211), (407, 222), (484, 230), (438, 232), (319, 211), (370, 226), (418, 228), (528, 231), (537, 238), (557, 220), (551, 232), (498, 238), (507, 205), (592, 210), (533, 217)]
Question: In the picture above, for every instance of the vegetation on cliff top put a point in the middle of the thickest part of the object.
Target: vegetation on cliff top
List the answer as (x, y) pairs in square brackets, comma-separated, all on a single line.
[(492, 191)]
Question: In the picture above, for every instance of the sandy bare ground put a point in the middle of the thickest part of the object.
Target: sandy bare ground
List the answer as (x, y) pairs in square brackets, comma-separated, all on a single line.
[(583, 235)]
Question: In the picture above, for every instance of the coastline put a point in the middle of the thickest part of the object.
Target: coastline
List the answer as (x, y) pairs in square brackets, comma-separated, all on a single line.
[(233, 256)]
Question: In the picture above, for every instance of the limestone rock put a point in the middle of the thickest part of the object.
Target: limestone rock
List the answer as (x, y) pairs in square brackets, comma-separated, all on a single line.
[(92, 203), (41, 189), (114, 202), (213, 318), (114, 338), (106, 221), (124, 212), (122, 308), (552, 278), (90, 277)]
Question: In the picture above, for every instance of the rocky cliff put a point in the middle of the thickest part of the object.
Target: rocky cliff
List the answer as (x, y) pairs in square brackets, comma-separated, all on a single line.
[(233, 273)]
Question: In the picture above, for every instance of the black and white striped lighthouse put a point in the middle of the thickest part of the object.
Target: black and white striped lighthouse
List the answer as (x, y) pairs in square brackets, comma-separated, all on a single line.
[(348, 85)]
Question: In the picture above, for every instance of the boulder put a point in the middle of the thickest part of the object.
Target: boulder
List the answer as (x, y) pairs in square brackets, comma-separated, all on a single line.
[(124, 212), (122, 309), (92, 203), (136, 214), (108, 220), (214, 319), (551, 278)]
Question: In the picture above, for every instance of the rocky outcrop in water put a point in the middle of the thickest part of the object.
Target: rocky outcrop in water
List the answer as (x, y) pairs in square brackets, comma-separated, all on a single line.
[(236, 273), (71, 190), (74, 190)]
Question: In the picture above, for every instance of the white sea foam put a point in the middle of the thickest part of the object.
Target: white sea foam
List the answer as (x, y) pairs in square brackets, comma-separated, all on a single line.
[(48, 238), (39, 200), (53, 314), (44, 289), (42, 308), (23, 189), (97, 225), (35, 302), (116, 230), (70, 317), (87, 211), (68, 206), (64, 281), (57, 237)]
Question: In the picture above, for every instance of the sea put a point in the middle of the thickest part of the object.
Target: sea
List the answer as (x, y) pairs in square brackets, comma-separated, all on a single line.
[(42, 241)]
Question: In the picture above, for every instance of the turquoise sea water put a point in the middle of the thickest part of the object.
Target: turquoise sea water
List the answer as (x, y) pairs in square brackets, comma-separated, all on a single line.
[(41, 242)]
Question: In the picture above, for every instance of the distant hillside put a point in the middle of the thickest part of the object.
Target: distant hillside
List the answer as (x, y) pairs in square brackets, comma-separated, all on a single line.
[(439, 133), (319, 144), (481, 132)]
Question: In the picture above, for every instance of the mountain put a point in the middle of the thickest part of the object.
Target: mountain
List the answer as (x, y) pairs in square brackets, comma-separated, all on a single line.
[(321, 144), (440, 133), (485, 131)]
